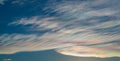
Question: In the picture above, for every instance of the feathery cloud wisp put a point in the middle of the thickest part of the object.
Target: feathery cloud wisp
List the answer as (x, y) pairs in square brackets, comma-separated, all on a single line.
[(82, 28)]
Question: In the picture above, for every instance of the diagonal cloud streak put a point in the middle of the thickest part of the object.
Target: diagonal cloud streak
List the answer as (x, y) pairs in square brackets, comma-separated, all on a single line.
[(79, 28)]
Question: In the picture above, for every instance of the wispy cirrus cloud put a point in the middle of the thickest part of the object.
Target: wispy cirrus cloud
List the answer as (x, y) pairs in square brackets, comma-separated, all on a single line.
[(38, 22), (79, 28), (84, 9), (69, 33), (12, 43), (2, 2)]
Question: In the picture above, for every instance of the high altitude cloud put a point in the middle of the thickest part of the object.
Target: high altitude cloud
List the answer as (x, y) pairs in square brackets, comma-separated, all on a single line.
[(2, 2), (78, 28)]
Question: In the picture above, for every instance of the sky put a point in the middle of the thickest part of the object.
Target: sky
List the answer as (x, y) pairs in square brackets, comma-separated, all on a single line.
[(59, 30)]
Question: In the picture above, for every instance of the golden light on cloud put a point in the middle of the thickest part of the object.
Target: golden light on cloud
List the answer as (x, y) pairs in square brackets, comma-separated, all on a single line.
[(82, 51)]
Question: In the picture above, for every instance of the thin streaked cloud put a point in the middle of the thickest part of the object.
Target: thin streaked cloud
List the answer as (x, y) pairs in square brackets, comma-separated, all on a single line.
[(78, 28)]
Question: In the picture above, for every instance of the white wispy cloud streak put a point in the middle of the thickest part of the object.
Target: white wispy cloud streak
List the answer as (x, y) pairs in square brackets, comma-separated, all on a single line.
[(12, 43), (81, 28), (64, 34), (86, 9)]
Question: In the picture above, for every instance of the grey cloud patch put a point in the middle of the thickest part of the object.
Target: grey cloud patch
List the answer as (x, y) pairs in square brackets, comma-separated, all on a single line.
[(109, 31), (2, 2), (23, 2)]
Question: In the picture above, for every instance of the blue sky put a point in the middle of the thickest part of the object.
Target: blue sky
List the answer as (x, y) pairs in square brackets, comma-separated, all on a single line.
[(62, 28)]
